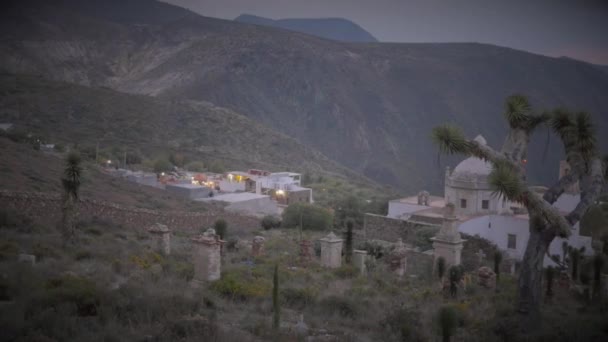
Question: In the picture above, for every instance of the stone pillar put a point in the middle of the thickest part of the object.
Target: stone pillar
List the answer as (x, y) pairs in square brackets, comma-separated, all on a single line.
[(163, 238), (257, 246), (359, 259), (207, 257), (306, 251), (448, 243), (398, 259), (331, 251)]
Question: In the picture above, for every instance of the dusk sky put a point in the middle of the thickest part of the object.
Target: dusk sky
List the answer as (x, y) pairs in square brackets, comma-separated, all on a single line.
[(572, 28)]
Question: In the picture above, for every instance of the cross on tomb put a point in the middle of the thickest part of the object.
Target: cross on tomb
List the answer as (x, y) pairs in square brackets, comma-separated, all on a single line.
[(480, 256)]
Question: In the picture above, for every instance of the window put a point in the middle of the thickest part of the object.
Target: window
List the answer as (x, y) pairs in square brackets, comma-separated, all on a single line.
[(485, 204), (463, 203), (512, 241)]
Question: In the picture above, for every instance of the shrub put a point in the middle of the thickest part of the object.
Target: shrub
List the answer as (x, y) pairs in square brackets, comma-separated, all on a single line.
[(8, 250), (162, 165), (221, 228), (69, 289), (345, 307), (298, 298), (346, 271), (270, 222), (196, 166), (448, 321), (311, 216), (234, 287), (403, 323)]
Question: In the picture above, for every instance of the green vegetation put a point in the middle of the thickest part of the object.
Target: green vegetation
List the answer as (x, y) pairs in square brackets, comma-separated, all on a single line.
[(307, 216), (276, 308), (162, 165), (270, 222), (71, 186), (448, 322), (221, 228)]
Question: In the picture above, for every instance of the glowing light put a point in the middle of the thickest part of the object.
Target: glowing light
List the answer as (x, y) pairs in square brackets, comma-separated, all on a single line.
[(280, 192)]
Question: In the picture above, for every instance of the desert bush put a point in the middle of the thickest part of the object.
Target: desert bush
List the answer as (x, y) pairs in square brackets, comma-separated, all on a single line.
[(299, 298), (374, 248), (402, 324), (8, 250), (346, 271), (270, 221), (343, 306), (235, 287), (82, 255), (195, 166), (80, 292), (221, 228), (162, 165), (43, 251), (189, 328), (312, 217)]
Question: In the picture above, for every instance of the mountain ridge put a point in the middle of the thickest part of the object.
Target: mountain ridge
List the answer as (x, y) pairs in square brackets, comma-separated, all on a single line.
[(334, 28), (368, 106)]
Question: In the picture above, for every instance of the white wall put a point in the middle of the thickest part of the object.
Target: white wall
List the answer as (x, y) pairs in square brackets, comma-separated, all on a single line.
[(228, 186), (502, 225), (397, 209), (474, 200), (256, 206)]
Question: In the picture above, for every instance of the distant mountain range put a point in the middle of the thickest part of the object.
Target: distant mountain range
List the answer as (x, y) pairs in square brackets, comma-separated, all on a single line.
[(369, 107), (330, 28)]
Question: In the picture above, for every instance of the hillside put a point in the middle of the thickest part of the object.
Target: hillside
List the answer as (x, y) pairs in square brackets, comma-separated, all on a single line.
[(369, 107), (72, 114), (25, 169), (331, 28)]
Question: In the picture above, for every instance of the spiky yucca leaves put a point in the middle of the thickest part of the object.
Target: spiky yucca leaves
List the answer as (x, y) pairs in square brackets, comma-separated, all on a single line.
[(519, 115), (71, 175), (450, 140), (585, 133), (506, 182), (517, 111)]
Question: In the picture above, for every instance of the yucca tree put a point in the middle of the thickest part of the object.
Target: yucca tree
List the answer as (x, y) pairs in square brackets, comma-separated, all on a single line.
[(71, 186), (508, 180)]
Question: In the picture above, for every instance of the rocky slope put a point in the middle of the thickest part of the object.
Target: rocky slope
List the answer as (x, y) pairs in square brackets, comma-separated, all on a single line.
[(330, 28), (368, 106)]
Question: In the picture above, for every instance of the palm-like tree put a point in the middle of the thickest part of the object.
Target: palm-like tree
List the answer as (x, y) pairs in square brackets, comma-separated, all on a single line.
[(508, 179), (71, 186)]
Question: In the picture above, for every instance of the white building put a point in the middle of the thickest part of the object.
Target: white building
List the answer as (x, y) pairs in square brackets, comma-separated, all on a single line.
[(480, 212)]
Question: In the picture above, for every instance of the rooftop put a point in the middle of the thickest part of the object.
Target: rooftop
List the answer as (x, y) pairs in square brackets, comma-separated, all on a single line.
[(434, 201), (233, 197), (185, 185)]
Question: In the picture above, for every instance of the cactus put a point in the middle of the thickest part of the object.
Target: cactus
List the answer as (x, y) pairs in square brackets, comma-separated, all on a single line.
[(440, 267), (276, 317), (497, 261), (448, 321), (349, 241), (549, 275)]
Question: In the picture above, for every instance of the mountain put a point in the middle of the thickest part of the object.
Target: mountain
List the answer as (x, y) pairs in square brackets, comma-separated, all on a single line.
[(68, 113), (330, 28), (370, 107)]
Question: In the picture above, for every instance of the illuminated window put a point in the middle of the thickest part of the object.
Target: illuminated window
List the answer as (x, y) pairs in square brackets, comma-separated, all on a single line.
[(485, 204), (512, 241), (463, 203)]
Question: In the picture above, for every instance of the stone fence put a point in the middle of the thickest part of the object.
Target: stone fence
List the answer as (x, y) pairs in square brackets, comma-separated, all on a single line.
[(46, 208), (378, 227)]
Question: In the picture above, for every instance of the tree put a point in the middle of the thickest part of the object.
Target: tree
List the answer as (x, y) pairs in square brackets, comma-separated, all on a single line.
[(276, 308), (549, 276), (440, 267), (349, 209), (162, 165), (576, 133), (575, 257), (456, 273), (349, 241), (598, 265), (310, 217), (221, 227), (71, 187), (448, 322), (497, 261), (270, 221)]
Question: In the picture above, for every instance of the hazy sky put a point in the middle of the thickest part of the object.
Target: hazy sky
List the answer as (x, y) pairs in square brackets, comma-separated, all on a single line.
[(573, 28)]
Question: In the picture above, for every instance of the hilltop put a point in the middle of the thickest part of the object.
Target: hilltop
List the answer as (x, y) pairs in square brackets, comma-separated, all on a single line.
[(339, 29), (368, 106)]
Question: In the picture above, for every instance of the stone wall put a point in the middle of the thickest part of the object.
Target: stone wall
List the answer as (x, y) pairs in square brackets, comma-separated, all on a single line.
[(46, 208), (377, 227)]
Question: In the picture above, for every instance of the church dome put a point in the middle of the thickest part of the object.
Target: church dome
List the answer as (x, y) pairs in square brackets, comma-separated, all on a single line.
[(472, 169)]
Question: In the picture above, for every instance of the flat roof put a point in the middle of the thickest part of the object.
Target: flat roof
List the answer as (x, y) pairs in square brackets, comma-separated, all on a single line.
[(434, 201), (187, 186), (234, 197)]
